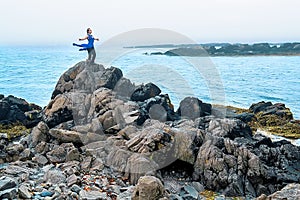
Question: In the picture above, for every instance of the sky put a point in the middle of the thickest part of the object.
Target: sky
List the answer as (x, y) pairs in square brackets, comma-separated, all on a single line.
[(58, 22)]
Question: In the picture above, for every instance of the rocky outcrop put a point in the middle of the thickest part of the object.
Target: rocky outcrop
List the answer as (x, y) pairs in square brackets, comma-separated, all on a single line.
[(16, 110), (98, 141)]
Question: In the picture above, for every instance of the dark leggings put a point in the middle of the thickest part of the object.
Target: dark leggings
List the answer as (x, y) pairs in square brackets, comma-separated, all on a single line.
[(92, 54)]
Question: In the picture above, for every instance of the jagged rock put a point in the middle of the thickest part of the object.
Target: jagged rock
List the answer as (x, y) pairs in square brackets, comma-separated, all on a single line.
[(144, 92), (260, 106), (117, 159), (124, 88), (231, 128), (39, 134), (193, 108), (58, 110), (40, 159), (148, 187), (13, 110)]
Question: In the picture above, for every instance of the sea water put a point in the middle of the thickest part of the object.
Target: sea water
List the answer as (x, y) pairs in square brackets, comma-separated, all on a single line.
[(31, 72)]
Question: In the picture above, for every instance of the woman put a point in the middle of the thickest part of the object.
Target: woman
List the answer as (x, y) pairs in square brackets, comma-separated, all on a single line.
[(89, 46)]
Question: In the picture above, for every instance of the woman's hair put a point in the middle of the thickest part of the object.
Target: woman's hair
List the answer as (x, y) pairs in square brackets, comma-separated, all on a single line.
[(87, 30)]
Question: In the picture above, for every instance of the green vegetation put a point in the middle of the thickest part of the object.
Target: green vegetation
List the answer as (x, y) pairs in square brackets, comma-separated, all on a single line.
[(14, 130)]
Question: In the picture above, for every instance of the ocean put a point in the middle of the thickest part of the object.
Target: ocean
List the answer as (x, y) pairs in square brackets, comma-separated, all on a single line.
[(31, 72)]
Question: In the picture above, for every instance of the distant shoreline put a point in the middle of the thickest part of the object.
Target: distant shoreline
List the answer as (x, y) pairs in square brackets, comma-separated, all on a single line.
[(227, 49)]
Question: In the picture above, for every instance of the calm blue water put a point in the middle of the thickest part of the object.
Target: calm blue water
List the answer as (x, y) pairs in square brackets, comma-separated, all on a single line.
[(32, 72)]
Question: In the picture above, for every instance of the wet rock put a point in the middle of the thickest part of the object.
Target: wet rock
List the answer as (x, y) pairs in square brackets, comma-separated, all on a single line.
[(193, 108), (189, 192), (144, 92), (148, 187), (260, 106)]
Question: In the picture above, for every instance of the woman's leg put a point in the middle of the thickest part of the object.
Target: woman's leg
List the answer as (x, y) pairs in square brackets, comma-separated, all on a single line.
[(93, 55), (89, 54)]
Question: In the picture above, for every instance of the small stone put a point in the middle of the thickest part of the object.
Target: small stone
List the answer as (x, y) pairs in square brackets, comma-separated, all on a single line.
[(92, 195), (75, 188), (46, 194), (71, 180), (40, 159), (54, 177), (24, 192)]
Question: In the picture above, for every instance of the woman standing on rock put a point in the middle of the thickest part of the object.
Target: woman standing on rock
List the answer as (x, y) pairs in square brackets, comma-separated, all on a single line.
[(89, 46)]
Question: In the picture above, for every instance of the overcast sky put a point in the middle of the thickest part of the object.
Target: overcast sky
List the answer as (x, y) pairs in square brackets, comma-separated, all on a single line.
[(63, 21)]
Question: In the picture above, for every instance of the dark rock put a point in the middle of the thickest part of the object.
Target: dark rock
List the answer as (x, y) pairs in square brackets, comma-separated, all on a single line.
[(76, 188), (9, 193), (7, 183), (193, 108), (159, 107), (110, 78), (260, 106), (145, 92), (4, 109), (20, 103), (58, 110)]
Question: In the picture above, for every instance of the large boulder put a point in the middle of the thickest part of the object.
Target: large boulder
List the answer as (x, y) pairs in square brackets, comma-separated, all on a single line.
[(144, 92), (148, 187), (192, 108)]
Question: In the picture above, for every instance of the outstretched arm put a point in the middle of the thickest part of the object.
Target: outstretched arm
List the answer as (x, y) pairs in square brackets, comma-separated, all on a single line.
[(84, 38), (96, 39)]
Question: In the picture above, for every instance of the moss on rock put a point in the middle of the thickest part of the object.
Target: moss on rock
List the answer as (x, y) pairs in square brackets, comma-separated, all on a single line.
[(14, 130)]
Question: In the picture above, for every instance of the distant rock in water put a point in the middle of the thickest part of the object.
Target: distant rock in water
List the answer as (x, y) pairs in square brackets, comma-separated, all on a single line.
[(266, 49)]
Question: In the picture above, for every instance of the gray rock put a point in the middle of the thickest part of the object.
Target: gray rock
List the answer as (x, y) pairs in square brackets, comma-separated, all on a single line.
[(71, 180), (290, 192), (24, 192), (26, 154), (40, 159), (139, 165), (92, 195), (66, 136), (192, 108), (39, 134), (54, 176), (148, 187), (57, 155)]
